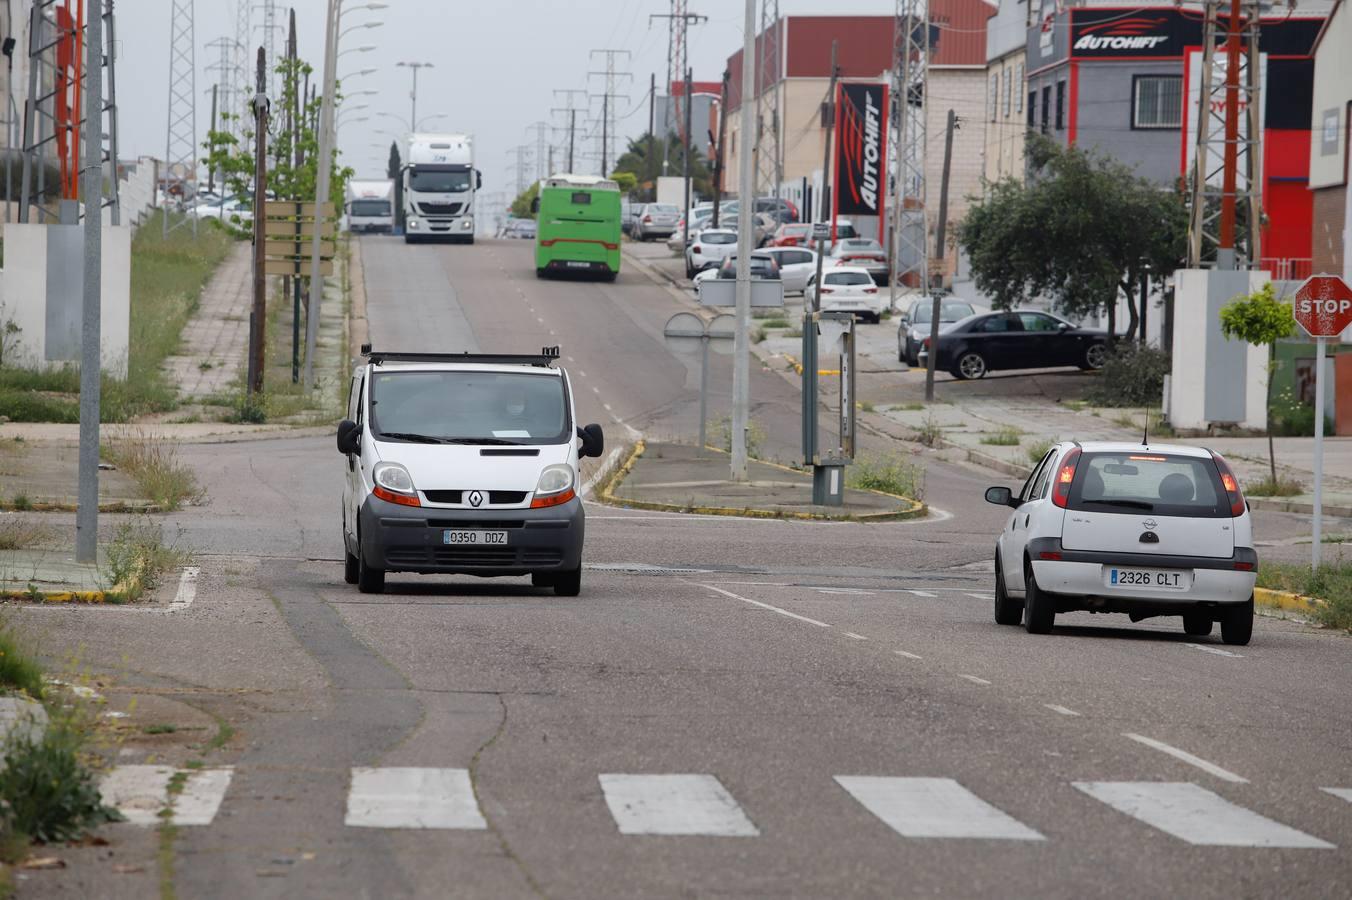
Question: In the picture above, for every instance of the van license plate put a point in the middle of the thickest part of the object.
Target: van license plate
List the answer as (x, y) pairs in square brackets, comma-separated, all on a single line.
[(477, 538), (1158, 579)]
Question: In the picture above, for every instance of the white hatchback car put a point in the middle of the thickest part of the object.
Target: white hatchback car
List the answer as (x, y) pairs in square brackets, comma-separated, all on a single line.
[(1142, 529), (709, 249), (796, 266), (849, 289)]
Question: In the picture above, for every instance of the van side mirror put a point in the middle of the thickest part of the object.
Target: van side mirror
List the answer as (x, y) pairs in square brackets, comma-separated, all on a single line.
[(349, 437), (593, 441), (535, 204), (1002, 496)]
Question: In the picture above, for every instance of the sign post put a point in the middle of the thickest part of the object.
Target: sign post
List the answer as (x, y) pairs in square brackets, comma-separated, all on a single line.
[(683, 332), (1323, 308)]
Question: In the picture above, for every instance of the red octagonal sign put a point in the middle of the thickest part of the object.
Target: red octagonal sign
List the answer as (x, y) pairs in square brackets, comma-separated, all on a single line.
[(1324, 306)]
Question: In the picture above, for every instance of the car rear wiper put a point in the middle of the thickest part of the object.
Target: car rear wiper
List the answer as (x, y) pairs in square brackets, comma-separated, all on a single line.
[(415, 438), (1134, 504)]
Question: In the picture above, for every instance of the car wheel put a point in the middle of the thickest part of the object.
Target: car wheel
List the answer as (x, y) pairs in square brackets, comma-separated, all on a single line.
[(1237, 624), (351, 567), (1197, 624), (569, 584), (370, 580), (1095, 356), (1008, 611), (1039, 607), (971, 365), (690, 272), (901, 353)]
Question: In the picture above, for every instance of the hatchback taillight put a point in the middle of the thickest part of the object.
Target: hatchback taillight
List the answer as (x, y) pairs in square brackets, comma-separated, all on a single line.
[(1065, 477), (696, 249), (870, 290), (1230, 483)]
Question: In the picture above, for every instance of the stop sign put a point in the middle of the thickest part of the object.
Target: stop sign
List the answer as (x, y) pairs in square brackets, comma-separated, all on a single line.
[(1324, 306)]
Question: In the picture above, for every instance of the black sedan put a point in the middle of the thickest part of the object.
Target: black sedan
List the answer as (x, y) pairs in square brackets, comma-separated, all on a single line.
[(1020, 339)]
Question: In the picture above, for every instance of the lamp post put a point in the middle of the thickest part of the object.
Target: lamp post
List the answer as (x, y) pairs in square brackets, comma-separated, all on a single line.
[(413, 95)]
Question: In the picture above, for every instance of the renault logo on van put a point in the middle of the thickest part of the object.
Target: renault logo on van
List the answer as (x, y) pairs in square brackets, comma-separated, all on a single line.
[(476, 499)]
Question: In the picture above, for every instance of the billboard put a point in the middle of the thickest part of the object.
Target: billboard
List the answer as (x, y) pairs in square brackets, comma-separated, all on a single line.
[(1113, 34), (860, 178)]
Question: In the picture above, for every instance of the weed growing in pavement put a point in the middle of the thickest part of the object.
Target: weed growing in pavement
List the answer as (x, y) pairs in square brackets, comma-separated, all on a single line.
[(758, 336), (1005, 437), (865, 406), (46, 793), (138, 558), (907, 407), (720, 430), (22, 503), (246, 410), (1331, 582), (891, 473), (18, 670), (930, 432), (1282, 487), (775, 322), (159, 728), (153, 464), (23, 534), (1037, 450), (794, 332)]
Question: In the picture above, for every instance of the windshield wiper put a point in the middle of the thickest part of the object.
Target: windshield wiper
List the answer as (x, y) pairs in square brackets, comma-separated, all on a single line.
[(1134, 504), (415, 438), (482, 440)]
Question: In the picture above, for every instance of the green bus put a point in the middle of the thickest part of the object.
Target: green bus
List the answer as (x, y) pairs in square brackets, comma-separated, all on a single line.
[(578, 226)]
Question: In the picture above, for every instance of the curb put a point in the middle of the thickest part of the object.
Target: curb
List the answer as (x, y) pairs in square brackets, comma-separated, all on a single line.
[(1285, 600), (115, 506), (1275, 505), (606, 495), (37, 595)]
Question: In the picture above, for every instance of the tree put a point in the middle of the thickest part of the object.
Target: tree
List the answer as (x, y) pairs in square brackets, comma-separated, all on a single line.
[(1262, 320), (396, 173), (1082, 229), (644, 160), (521, 206), (626, 180)]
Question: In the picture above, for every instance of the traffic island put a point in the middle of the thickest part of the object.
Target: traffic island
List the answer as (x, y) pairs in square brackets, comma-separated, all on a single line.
[(682, 478)]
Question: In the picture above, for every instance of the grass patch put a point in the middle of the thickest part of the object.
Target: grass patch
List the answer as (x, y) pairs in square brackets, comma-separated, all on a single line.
[(138, 559), (890, 473), (794, 332), (775, 322), (930, 432), (1331, 582), (159, 728), (22, 502), (22, 534), (46, 792), (758, 336), (1281, 487), (907, 407), (153, 464), (1005, 437), (720, 432), (865, 406), (18, 670), (1036, 451)]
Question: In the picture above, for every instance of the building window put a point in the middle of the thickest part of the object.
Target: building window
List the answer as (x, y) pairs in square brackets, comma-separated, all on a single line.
[(1157, 101), (1046, 107), (1018, 76), (1060, 106), (1032, 109), (1009, 91), (993, 104)]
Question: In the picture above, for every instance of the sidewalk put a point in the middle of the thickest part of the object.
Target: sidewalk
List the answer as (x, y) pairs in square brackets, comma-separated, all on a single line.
[(215, 340), (676, 477)]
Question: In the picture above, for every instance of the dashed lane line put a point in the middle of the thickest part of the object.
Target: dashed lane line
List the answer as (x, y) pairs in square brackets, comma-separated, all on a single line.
[(187, 589), (857, 637), (1208, 767), (973, 679), (1345, 793), (907, 655), (774, 609), (406, 797), (1216, 651), (1063, 710)]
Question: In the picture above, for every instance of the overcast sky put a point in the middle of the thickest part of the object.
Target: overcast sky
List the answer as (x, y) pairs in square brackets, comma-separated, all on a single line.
[(496, 64)]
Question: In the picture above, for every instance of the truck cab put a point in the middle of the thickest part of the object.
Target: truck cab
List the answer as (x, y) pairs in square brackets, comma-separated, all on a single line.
[(370, 206), (439, 186)]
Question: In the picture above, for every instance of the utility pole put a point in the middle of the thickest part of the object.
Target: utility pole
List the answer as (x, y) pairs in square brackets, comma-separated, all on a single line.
[(941, 254), (324, 167), (258, 318), (721, 145), (678, 61), (652, 107), (686, 220), (570, 110), (741, 367), (211, 170), (908, 245), (91, 361), (605, 136), (572, 130), (293, 115)]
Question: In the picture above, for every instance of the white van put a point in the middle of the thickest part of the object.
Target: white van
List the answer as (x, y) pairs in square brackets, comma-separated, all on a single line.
[(463, 464)]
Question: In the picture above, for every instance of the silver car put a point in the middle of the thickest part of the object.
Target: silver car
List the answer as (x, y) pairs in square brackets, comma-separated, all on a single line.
[(914, 327), (656, 220)]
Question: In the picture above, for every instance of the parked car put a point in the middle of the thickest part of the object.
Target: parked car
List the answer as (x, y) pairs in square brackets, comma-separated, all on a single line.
[(792, 234), (524, 229), (1142, 529), (846, 289), (234, 210), (778, 208), (796, 266), (763, 265), (711, 248), (655, 220), (1022, 339), (861, 253), (914, 326), (628, 215)]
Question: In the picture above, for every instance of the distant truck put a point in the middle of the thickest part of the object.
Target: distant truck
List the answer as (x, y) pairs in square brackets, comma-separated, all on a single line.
[(439, 186), (370, 206)]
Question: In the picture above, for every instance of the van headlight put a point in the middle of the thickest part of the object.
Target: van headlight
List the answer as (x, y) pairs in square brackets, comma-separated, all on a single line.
[(393, 484), (554, 488)]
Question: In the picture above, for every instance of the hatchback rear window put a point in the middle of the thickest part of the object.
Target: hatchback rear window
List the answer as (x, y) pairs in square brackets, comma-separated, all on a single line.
[(847, 278), (718, 238), (662, 208), (1149, 483)]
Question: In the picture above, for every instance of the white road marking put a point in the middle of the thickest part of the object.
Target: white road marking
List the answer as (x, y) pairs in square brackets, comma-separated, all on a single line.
[(1185, 756), (412, 798), (596, 390), (973, 679), (1216, 650), (1193, 814), (140, 793), (606, 406), (827, 590), (979, 596), (579, 371), (1345, 793), (776, 609), (1063, 710), (857, 637), (540, 320), (907, 655), (201, 797), (933, 807), (674, 805), (923, 593), (187, 589)]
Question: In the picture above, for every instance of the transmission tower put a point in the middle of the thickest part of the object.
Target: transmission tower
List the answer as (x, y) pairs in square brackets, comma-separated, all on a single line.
[(1226, 181), (540, 146), (769, 141), (180, 141), (243, 79), (608, 104), (224, 72), (271, 28), (910, 68), (569, 113)]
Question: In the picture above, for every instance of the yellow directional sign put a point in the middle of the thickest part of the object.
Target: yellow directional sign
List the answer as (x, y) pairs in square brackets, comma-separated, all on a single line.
[(302, 249), (288, 267), (276, 231), (290, 209)]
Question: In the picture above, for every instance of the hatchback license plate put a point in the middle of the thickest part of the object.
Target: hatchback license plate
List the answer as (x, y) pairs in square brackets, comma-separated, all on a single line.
[(1159, 579), (477, 538)]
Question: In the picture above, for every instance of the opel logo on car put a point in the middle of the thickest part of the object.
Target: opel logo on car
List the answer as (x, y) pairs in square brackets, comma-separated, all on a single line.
[(1149, 524), (476, 499)]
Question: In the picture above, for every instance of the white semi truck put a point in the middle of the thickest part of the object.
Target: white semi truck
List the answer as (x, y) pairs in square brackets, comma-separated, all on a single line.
[(439, 186), (370, 206)]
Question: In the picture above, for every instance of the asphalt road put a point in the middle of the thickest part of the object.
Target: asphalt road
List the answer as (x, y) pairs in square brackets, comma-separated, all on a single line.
[(732, 707)]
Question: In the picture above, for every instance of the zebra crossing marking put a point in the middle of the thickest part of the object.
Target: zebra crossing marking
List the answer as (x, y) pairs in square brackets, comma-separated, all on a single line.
[(1195, 815), (1345, 793), (141, 793), (933, 808), (410, 797), (674, 805)]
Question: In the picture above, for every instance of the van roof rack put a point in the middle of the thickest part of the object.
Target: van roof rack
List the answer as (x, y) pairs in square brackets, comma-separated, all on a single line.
[(545, 358)]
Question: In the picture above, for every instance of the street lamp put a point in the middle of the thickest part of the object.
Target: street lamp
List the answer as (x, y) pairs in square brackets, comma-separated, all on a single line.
[(358, 26), (415, 66), (360, 73), (367, 49), (372, 6)]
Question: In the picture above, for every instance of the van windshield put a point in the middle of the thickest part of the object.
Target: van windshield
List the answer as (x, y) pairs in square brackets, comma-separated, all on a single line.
[(469, 407)]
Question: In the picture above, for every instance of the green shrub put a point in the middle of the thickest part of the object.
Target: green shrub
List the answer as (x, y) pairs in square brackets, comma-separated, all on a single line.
[(1132, 376), (890, 473), (1038, 450), (1282, 487), (1289, 417), (1005, 437), (45, 791), (1331, 582), (18, 670)]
